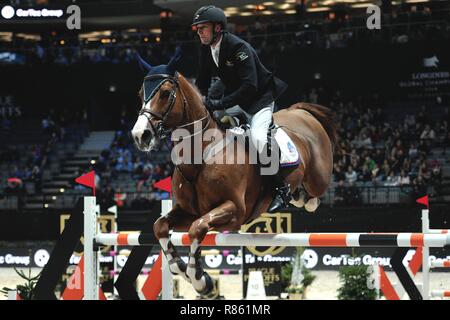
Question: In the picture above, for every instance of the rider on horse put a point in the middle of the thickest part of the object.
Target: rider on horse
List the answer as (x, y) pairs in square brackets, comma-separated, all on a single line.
[(249, 87)]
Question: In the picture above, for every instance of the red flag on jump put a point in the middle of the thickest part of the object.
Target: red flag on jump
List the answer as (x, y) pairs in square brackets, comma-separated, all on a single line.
[(423, 200), (164, 184), (87, 180)]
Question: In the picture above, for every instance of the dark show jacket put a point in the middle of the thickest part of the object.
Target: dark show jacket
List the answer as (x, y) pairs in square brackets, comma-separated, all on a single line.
[(247, 82)]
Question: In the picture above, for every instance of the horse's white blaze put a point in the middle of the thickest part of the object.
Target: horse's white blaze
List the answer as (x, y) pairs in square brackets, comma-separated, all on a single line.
[(141, 125)]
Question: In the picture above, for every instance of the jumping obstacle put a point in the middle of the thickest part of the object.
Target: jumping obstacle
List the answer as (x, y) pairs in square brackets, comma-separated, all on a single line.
[(427, 265), (401, 240), (94, 239), (420, 259)]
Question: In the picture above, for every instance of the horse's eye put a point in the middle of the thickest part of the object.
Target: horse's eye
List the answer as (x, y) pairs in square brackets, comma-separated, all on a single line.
[(164, 94)]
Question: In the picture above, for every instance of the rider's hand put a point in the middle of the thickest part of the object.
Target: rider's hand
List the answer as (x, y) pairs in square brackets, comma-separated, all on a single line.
[(213, 104)]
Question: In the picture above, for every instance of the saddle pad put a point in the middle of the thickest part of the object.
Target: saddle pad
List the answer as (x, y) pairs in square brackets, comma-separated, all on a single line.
[(289, 153)]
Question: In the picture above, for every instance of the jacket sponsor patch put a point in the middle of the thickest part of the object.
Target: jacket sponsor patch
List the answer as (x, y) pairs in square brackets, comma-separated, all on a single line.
[(241, 56)]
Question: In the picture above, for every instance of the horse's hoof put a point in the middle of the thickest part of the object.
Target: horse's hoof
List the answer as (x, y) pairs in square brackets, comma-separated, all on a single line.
[(209, 285), (312, 204), (299, 200), (297, 203)]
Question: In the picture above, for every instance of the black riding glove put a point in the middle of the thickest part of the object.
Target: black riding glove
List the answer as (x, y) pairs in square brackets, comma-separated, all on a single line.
[(214, 104)]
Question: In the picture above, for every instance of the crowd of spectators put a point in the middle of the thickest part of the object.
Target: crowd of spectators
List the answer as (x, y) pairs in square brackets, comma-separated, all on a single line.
[(122, 162), (340, 29), (26, 164), (377, 150)]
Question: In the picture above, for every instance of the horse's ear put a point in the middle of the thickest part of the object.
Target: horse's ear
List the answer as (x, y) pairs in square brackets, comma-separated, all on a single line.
[(175, 58), (145, 66)]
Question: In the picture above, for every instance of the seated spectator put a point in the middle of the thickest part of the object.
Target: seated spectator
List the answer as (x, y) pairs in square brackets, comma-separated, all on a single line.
[(337, 173), (436, 178), (424, 172), (413, 153), (392, 180), (419, 187), (404, 179), (350, 175), (428, 135), (365, 175)]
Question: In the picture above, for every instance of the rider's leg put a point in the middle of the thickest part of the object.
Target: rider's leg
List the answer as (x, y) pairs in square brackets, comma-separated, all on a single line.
[(269, 157)]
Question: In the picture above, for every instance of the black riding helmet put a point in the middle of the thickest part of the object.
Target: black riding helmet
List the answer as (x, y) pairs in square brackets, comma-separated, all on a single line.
[(210, 14)]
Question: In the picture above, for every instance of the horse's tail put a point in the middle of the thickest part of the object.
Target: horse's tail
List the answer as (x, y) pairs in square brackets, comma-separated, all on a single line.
[(326, 117)]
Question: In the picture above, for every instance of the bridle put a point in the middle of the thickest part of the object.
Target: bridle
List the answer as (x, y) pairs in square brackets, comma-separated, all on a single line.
[(161, 131)]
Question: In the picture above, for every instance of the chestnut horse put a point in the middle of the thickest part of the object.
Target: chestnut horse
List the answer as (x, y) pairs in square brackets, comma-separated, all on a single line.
[(223, 197)]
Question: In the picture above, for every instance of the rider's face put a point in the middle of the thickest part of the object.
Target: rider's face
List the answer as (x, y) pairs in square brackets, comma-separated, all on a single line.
[(205, 32)]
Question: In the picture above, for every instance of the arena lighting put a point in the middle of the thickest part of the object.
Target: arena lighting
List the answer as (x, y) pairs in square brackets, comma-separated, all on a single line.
[(361, 5), (250, 6), (62, 42), (246, 14), (93, 161), (231, 9), (267, 12), (269, 3), (62, 190), (54, 197), (6, 36), (46, 205), (284, 6), (90, 35), (27, 36), (290, 12), (319, 9)]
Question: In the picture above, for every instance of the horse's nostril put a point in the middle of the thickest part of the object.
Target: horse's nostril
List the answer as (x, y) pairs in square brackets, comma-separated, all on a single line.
[(146, 136)]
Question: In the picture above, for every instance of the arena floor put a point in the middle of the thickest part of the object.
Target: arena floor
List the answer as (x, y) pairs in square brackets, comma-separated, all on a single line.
[(323, 288)]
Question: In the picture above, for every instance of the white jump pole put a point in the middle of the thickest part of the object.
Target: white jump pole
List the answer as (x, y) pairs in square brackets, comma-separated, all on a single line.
[(91, 262), (425, 257), (345, 240), (167, 278)]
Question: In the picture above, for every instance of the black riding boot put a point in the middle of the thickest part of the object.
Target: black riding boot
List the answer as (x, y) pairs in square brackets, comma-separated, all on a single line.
[(282, 195)]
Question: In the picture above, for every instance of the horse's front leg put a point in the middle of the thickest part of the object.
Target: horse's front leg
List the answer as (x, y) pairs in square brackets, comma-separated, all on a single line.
[(177, 219), (223, 217)]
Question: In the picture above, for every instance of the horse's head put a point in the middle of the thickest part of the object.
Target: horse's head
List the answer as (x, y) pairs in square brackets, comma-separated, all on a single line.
[(163, 105)]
